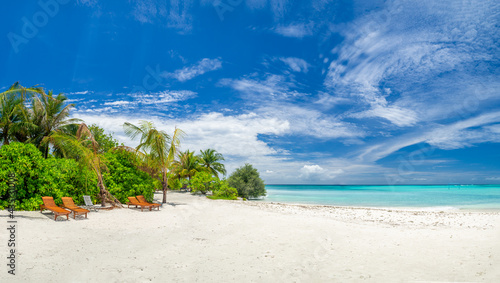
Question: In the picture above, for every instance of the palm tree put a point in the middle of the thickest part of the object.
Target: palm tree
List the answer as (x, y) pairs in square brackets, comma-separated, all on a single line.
[(187, 165), (210, 160), (85, 150), (49, 114), (12, 111), (158, 148)]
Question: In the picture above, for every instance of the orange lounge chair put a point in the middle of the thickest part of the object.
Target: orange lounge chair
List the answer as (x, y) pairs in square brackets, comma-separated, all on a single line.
[(49, 204), (134, 201), (69, 204), (142, 199)]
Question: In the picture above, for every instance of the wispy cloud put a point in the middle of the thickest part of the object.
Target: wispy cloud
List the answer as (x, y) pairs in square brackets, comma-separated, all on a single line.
[(80, 92), (310, 122), (329, 100), (392, 63), (398, 116), (166, 96), (272, 86), (465, 133), (297, 30), (137, 102), (118, 103), (275, 96), (296, 64), (188, 73)]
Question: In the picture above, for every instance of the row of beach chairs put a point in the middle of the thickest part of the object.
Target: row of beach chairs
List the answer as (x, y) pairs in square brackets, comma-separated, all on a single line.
[(65, 209), (141, 201), (69, 206)]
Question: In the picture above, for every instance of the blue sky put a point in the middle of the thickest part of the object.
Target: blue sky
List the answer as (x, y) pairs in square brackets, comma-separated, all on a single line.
[(323, 92)]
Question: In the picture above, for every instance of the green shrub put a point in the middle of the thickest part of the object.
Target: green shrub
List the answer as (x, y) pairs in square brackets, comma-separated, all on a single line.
[(247, 181), (124, 179), (177, 184), (222, 190), (202, 182), (37, 177)]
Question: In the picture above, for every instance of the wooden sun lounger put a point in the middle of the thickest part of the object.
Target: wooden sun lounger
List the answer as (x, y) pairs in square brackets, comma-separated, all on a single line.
[(49, 204), (134, 201), (142, 199), (69, 204)]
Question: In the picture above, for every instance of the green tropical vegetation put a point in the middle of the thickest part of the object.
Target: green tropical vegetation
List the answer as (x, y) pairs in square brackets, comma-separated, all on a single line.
[(187, 165), (105, 141), (85, 149), (38, 176), (205, 182), (247, 181), (158, 149), (210, 160), (53, 154), (124, 178)]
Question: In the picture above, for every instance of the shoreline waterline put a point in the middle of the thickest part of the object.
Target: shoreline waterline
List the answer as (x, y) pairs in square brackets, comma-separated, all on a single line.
[(385, 208), (405, 197)]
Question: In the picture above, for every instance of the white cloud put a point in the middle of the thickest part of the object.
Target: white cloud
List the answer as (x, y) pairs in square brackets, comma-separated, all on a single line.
[(140, 99), (467, 132), (80, 92), (310, 122), (166, 96), (188, 73), (316, 173), (460, 134), (118, 103), (274, 98), (312, 169), (74, 100), (237, 137), (298, 30), (405, 69), (398, 116), (272, 87), (329, 100), (493, 128), (296, 64), (231, 135)]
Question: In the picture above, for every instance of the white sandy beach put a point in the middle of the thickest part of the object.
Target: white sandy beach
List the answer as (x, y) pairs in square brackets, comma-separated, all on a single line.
[(194, 239)]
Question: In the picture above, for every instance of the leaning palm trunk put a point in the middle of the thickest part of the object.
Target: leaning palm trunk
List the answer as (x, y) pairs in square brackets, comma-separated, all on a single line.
[(83, 147), (105, 195)]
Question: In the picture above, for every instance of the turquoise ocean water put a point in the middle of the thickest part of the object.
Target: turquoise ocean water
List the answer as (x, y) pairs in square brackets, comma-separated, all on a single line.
[(429, 196)]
